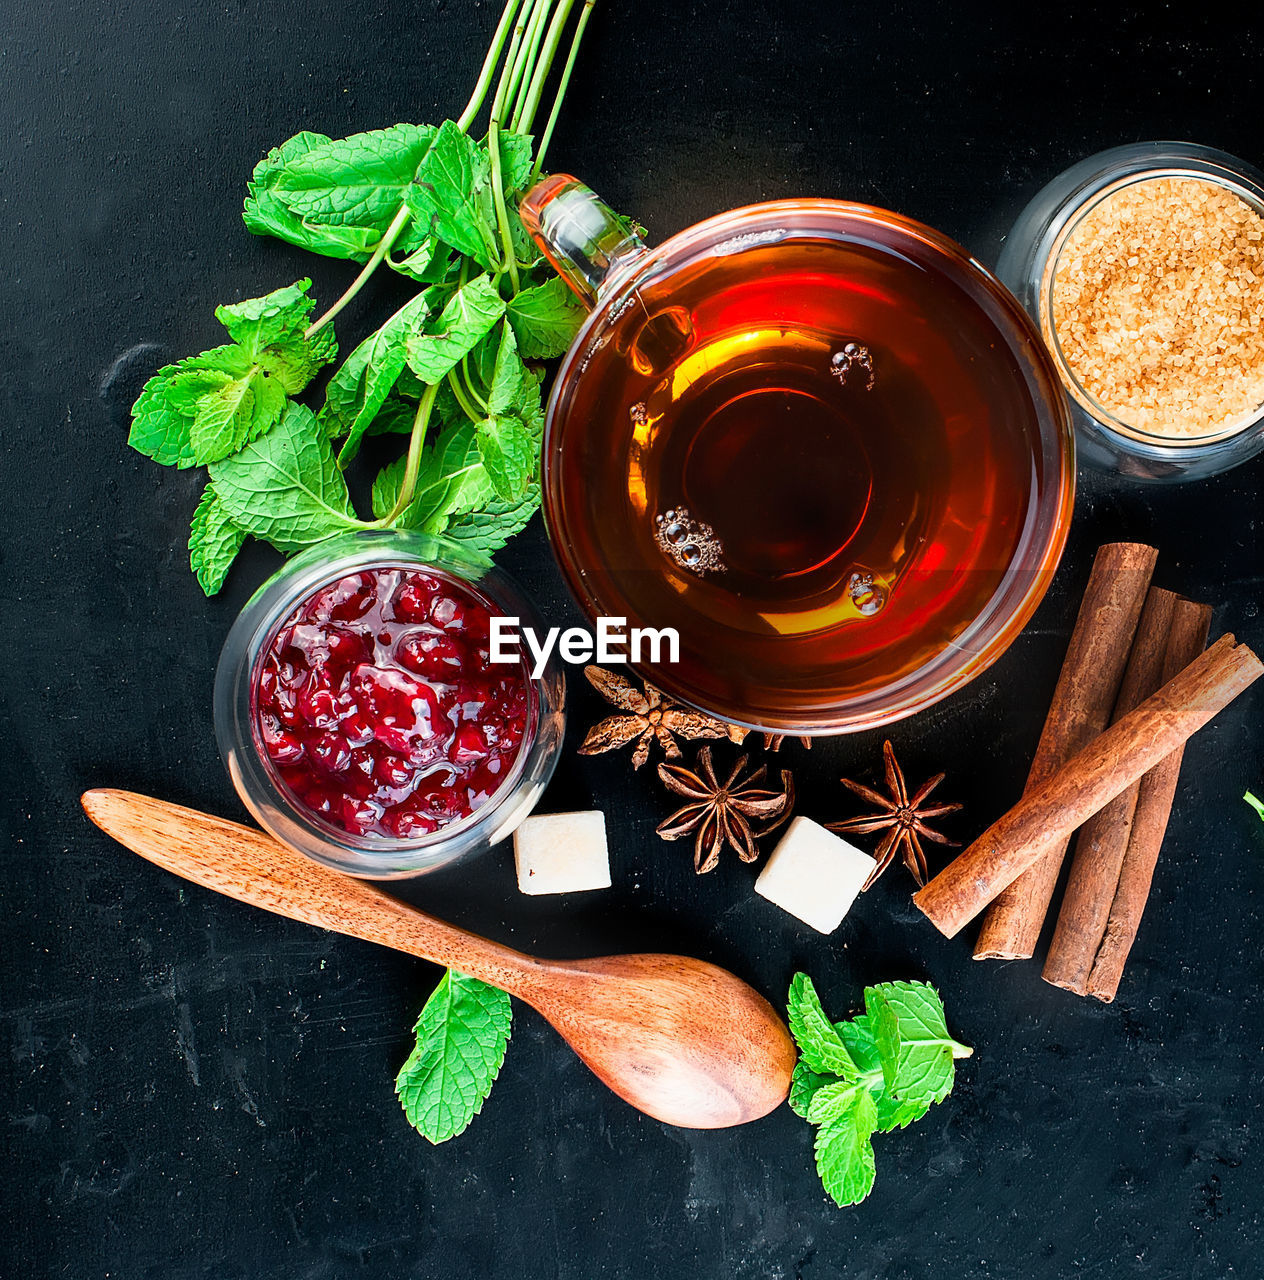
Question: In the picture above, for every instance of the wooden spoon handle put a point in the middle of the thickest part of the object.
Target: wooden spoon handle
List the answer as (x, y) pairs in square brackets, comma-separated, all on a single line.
[(254, 868)]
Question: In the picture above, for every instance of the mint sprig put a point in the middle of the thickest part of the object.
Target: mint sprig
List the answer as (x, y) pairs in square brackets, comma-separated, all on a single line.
[(876, 1072), (209, 406), (461, 1034), (1256, 803), (439, 206)]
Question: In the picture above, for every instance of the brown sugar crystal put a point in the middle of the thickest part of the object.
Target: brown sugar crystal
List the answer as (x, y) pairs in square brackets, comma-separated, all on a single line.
[(1158, 306)]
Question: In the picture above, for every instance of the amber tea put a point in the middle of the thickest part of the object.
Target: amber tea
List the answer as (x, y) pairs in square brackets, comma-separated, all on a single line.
[(810, 456)]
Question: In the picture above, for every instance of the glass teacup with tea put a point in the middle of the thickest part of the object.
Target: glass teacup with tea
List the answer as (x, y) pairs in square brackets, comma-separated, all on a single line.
[(817, 439)]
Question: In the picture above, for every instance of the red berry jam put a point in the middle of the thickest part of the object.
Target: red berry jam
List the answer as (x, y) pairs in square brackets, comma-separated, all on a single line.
[(379, 710)]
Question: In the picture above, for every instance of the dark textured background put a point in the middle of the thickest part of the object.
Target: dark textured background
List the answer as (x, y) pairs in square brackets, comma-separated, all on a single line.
[(195, 1089)]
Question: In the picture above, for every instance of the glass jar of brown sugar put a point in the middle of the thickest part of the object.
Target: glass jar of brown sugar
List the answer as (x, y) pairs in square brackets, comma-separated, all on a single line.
[(1144, 268)]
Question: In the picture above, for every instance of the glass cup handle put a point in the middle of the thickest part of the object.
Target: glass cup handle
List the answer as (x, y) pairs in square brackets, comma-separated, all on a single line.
[(583, 238)]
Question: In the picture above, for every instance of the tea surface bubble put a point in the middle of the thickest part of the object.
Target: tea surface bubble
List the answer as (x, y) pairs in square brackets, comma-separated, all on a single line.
[(868, 596), (853, 366), (692, 544)]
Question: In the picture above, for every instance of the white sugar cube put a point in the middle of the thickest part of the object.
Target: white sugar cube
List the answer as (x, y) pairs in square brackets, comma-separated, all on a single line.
[(813, 874), (562, 852)]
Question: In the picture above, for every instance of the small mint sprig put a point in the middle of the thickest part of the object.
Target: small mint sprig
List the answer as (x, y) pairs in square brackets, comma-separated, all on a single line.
[(1256, 803), (880, 1071)]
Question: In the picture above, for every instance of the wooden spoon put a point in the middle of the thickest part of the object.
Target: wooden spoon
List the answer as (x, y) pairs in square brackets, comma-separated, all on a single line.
[(682, 1040)]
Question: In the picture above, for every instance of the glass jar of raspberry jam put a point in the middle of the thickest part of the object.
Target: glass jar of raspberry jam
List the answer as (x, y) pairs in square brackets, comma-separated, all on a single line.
[(361, 718)]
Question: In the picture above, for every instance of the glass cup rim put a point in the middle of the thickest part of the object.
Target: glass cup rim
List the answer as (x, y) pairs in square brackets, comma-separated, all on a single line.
[(1008, 611), (1124, 167), (236, 677)]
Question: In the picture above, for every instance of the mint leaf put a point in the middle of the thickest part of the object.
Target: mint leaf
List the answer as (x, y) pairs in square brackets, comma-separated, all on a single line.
[(360, 387), (214, 542), (530, 407), (395, 417), (358, 181), (886, 1034), (1255, 803), (857, 1035), (525, 248), (159, 430), (198, 376), (429, 262), (386, 488), (224, 420), (237, 411), (468, 317), (804, 1084), (266, 214), (912, 1037), (452, 481), (277, 317), (285, 487), (516, 159), (486, 529), (461, 1038), (893, 1113), (480, 364), (819, 1043), (832, 1100), (844, 1153), (545, 319), (509, 375), (164, 411), (295, 361), (239, 401), (508, 454), (445, 196)]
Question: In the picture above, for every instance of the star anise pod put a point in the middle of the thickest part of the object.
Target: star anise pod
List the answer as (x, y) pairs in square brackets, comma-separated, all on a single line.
[(736, 812), (773, 741), (902, 816), (649, 715)]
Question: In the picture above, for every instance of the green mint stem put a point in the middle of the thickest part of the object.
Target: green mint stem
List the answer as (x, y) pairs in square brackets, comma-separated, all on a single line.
[(413, 466), (547, 136), (398, 223), (545, 61), (531, 45), (472, 108), (475, 104), (512, 67), (469, 385), (1255, 802), (498, 199), (463, 398), (504, 90)]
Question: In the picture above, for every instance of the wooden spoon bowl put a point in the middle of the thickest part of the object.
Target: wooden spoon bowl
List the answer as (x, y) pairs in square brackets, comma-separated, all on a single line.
[(682, 1040)]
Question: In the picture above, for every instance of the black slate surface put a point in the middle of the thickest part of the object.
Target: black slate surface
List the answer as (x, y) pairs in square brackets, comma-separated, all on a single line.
[(195, 1089)]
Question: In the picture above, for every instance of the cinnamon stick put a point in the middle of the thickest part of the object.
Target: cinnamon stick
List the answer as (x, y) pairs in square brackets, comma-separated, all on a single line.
[(1102, 841), (1149, 825), (1047, 815), (1082, 702)]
